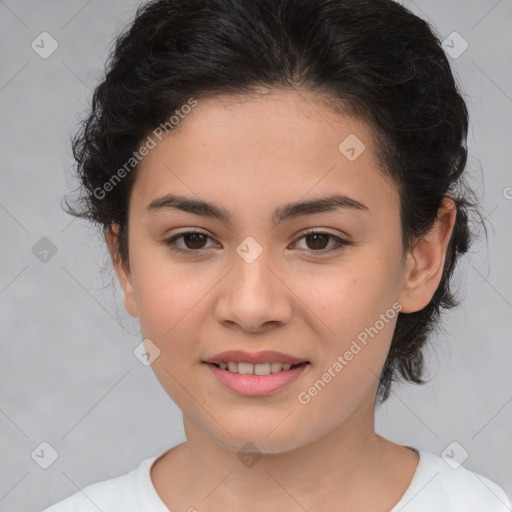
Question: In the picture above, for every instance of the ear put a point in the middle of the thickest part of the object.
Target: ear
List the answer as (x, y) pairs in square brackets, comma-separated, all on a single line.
[(424, 264), (122, 272)]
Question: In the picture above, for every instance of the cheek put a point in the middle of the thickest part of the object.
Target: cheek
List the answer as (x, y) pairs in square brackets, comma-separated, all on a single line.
[(166, 294), (353, 315), (169, 308), (357, 323), (346, 296)]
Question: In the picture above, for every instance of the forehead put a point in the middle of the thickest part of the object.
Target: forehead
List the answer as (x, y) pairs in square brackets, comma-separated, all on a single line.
[(261, 151)]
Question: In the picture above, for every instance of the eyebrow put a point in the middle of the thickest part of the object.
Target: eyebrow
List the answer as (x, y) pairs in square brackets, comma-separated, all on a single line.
[(330, 203)]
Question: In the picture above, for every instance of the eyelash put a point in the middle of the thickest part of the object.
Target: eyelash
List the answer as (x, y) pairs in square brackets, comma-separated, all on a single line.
[(171, 242)]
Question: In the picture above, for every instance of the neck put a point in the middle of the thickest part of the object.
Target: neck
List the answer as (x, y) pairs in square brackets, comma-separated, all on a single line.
[(350, 467)]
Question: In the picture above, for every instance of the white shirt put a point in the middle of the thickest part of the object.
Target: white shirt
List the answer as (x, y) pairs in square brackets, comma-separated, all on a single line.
[(435, 487)]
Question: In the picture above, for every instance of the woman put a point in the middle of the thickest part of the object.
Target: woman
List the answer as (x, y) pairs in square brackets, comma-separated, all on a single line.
[(279, 185)]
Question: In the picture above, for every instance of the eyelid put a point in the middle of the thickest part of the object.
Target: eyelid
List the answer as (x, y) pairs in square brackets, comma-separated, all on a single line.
[(340, 241), (171, 241)]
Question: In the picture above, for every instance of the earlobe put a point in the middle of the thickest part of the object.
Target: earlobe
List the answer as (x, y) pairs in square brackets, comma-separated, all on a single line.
[(425, 263), (123, 274)]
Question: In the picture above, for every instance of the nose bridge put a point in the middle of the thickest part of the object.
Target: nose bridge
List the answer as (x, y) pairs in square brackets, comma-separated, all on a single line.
[(252, 294), (251, 272)]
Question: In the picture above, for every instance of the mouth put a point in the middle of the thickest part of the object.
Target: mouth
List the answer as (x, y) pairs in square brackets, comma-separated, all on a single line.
[(259, 369), (256, 379), (256, 373)]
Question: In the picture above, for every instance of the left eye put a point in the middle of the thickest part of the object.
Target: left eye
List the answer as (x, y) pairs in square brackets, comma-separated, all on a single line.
[(196, 240), (317, 236)]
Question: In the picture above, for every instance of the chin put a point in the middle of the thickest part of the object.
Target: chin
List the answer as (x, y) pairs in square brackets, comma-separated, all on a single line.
[(250, 438)]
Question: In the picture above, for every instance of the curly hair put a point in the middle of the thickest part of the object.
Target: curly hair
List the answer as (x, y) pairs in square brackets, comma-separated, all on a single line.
[(372, 58)]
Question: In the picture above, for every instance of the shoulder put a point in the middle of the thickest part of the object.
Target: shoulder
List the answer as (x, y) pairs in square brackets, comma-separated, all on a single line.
[(123, 493), (440, 486)]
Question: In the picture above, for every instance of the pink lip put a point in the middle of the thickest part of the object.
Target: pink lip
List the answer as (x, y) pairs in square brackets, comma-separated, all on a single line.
[(256, 385), (266, 356)]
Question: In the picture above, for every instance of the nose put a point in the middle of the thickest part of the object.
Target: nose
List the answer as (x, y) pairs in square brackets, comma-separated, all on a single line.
[(253, 296)]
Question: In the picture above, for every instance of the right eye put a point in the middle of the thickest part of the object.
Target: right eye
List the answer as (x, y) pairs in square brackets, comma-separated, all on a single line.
[(193, 238)]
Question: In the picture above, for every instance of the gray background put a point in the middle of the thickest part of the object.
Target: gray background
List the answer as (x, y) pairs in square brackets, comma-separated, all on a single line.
[(68, 375)]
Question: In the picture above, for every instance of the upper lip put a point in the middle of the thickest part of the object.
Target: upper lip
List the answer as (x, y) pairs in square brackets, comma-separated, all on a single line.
[(266, 356)]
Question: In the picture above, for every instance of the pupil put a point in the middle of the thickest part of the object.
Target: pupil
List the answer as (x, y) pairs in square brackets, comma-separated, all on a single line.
[(196, 237), (319, 235)]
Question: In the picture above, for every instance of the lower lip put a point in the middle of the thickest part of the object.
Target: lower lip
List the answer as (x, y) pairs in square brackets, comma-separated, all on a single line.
[(257, 385)]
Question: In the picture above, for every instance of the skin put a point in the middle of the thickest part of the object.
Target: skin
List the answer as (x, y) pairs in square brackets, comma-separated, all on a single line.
[(250, 155)]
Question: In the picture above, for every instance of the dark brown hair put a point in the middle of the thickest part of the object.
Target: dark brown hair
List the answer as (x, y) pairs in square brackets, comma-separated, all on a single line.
[(373, 58)]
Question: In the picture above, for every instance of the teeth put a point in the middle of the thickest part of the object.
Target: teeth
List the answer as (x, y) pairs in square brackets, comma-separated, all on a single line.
[(254, 369), (262, 369), (275, 367), (245, 368)]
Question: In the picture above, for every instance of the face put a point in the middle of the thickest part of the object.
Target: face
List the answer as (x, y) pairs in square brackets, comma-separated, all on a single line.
[(258, 280)]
